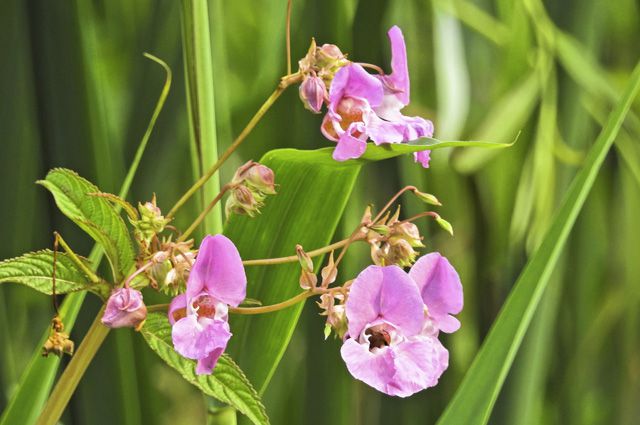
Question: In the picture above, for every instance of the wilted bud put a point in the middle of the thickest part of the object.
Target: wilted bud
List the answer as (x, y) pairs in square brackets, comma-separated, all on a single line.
[(330, 55), (125, 309), (336, 316), (58, 342), (329, 272), (401, 253), (407, 231), (242, 201), (313, 92), (308, 280)]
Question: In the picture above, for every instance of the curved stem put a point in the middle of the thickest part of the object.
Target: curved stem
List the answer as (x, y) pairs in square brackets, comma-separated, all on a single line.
[(288, 37), (73, 373), (422, 214), (273, 307), (284, 83), (204, 213), (372, 66), (392, 200), (294, 258)]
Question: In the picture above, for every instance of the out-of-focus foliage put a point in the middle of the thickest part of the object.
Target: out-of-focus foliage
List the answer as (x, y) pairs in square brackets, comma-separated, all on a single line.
[(78, 93)]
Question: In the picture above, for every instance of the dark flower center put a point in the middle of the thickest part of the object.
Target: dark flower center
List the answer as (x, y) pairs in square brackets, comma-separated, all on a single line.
[(378, 338)]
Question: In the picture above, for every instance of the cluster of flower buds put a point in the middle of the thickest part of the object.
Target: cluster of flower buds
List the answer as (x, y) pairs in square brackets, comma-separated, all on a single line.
[(151, 221), (250, 186), (393, 241), (58, 342), (170, 267), (318, 68)]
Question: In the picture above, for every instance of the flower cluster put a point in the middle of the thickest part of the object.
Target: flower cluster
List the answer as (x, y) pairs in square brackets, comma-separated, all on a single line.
[(362, 106), (250, 186)]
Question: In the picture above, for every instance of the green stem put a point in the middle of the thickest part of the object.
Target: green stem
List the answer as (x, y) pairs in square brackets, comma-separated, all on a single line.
[(273, 307), (87, 271), (204, 213), (73, 373), (200, 94), (294, 258), (286, 82)]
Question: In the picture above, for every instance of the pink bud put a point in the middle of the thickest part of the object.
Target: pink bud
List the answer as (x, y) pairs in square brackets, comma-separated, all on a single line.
[(313, 91), (125, 309), (262, 178)]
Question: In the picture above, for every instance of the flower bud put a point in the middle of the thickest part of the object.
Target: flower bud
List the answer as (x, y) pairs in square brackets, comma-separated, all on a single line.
[(409, 232), (445, 225), (242, 201), (308, 280), (261, 178), (125, 309), (427, 197), (336, 317), (329, 272), (313, 92), (305, 260), (329, 58), (151, 220)]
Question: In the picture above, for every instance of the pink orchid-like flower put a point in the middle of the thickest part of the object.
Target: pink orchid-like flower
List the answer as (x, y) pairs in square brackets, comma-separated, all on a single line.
[(364, 106), (393, 323), (125, 309), (199, 316)]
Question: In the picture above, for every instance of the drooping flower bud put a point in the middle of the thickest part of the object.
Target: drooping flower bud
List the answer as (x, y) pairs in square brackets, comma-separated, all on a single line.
[(313, 93), (329, 272), (407, 231), (261, 178), (242, 201), (304, 259), (330, 57), (125, 309)]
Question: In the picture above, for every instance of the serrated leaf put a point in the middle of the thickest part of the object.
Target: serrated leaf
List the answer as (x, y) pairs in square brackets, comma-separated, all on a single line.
[(227, 383), (477, 394), (95, 215), (35, 270)]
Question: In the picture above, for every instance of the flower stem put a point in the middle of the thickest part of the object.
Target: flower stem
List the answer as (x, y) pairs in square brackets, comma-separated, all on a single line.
[(273, 307), (288, 37), (204, 213), (73, 373), (294, 258), (392, 200), (284, 83)]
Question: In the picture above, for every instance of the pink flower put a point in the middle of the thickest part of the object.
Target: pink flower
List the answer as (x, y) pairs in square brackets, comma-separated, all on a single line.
[(393, 323), (199, 316), (364, 106), (125, 309)]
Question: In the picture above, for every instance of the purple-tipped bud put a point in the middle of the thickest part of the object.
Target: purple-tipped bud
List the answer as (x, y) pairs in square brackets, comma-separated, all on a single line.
[(313, 93), (125, 309), (261, 178)]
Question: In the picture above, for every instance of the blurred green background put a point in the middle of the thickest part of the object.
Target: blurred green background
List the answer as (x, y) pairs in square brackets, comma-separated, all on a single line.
[(76, 92)]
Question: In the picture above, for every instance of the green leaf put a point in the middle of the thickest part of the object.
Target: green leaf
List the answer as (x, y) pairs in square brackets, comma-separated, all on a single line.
[(95, 215), (476, 396), (227, 383), (35, 270)]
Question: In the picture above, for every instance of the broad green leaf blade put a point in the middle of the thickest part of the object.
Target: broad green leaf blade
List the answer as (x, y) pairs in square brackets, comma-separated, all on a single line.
[(95, 215), (35, 270), (474, 400), (312, 192), (227, 383)]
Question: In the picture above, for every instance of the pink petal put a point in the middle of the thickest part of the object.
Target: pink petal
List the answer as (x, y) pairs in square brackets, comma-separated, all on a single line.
[(374, 369), (423, 157), (205, 366), (441, 289), (353, 81), (399, 78), (388, 294), (197, 338), (177, 303), (218, 270), (419, 363), (349, 147)]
